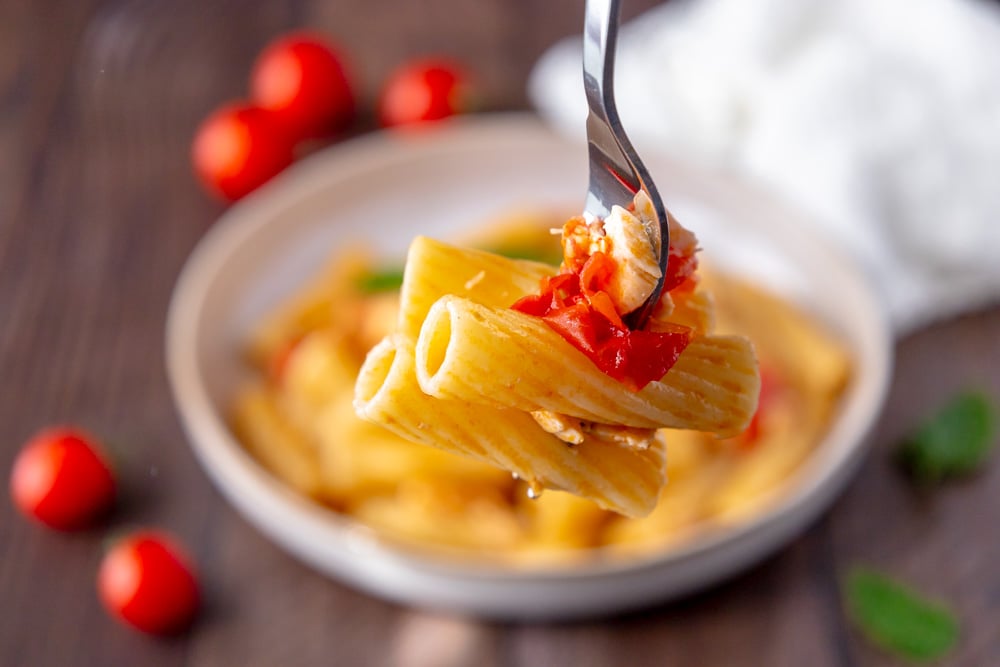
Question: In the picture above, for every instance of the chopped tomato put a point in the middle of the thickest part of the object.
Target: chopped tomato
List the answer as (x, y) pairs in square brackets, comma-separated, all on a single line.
[(575, 303), (682, 261), (565, 289), (585, 317), (652, 353), (680, 273), (771, 387), (602, 303), (585, 329), (278, 362), (534, 304), (596, 272), (688, 285)]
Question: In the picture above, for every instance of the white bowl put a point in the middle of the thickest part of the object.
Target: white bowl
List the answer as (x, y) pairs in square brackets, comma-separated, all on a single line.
[(438, 183)]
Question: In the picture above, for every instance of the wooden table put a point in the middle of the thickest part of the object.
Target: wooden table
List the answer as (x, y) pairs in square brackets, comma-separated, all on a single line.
[(98, 210)]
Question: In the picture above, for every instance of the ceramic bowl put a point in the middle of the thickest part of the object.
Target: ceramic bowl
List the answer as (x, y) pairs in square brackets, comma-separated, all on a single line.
[(440, 183)]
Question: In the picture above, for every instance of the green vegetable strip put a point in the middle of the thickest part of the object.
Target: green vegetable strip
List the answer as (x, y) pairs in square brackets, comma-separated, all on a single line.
[(897, 618), (955, 441), (383, 280)]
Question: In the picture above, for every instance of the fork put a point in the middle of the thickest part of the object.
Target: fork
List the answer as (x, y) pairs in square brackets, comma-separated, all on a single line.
[(616, 172)]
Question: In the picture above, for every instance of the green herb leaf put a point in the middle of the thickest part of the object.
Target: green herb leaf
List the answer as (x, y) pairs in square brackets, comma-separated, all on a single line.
[(897, 618), (382, 280), (955, 441)]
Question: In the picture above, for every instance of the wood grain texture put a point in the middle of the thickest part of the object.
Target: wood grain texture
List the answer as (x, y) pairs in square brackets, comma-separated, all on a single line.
[(98, 211)]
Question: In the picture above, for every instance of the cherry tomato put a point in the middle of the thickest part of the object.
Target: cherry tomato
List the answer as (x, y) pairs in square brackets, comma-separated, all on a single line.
[(423, 90), (147, 581), (62, 479), (301, 79), (238, 148)]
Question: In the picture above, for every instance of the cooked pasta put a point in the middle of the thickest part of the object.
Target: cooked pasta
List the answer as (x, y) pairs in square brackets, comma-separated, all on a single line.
[(297, 417), (434, 269), (620, 479), (503, 358), (498, 359)]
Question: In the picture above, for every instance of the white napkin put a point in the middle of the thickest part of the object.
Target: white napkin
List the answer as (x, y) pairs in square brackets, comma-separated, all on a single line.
[(879, 118)]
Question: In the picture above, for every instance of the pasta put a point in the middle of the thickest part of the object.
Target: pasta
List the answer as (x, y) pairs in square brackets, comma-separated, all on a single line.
[(259, 423), (471, 371), (297, 417), (434, 269), (712, 387), (619, 479)]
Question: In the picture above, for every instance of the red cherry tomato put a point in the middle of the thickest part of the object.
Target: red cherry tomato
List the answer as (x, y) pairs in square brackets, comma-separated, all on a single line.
[(62, 479), (238, 148), (147, 581), (422, 91), (300, 78)]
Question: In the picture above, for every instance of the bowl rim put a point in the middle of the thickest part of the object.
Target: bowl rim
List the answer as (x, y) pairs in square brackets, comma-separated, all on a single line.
[(240, 476)]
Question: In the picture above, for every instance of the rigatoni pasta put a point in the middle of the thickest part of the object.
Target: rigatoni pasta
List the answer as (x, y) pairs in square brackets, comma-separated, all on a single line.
[(619, 479), (297, 416), (483, 364), (503, 358), (434, 269)]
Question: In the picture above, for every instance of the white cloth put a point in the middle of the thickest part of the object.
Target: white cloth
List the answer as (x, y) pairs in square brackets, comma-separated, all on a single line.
[(879, 118)]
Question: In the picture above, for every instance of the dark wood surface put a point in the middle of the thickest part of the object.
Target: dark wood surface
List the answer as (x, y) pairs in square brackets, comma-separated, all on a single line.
[(98, 210)]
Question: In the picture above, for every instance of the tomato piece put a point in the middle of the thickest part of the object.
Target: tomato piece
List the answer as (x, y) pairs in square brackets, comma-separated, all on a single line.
[(534, 304), (634, 358), (300, 78), (147, 581), (587, 319), (680, 270), (62, 479), (579, 325), (238, 148), (650, 354), (772, 386), (596, 273), (602, 303), (423, 90), (278, 363), (565, 289), (611, 356), (682, 262)]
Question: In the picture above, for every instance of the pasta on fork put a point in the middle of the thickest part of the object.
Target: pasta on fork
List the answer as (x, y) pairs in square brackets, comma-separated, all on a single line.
[(535, 370)]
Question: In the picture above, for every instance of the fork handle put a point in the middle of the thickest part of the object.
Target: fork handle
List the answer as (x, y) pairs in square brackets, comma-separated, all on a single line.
[(600, 39)]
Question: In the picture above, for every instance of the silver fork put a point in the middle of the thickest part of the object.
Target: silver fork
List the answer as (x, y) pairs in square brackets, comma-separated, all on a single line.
[(616, 172)]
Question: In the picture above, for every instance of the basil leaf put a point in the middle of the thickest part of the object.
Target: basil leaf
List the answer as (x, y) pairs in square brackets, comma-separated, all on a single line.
[(897, 618), (382, 280), (954, 441)]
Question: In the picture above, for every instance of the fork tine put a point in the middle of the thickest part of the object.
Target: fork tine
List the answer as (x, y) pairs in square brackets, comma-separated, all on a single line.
[(616, 172)]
